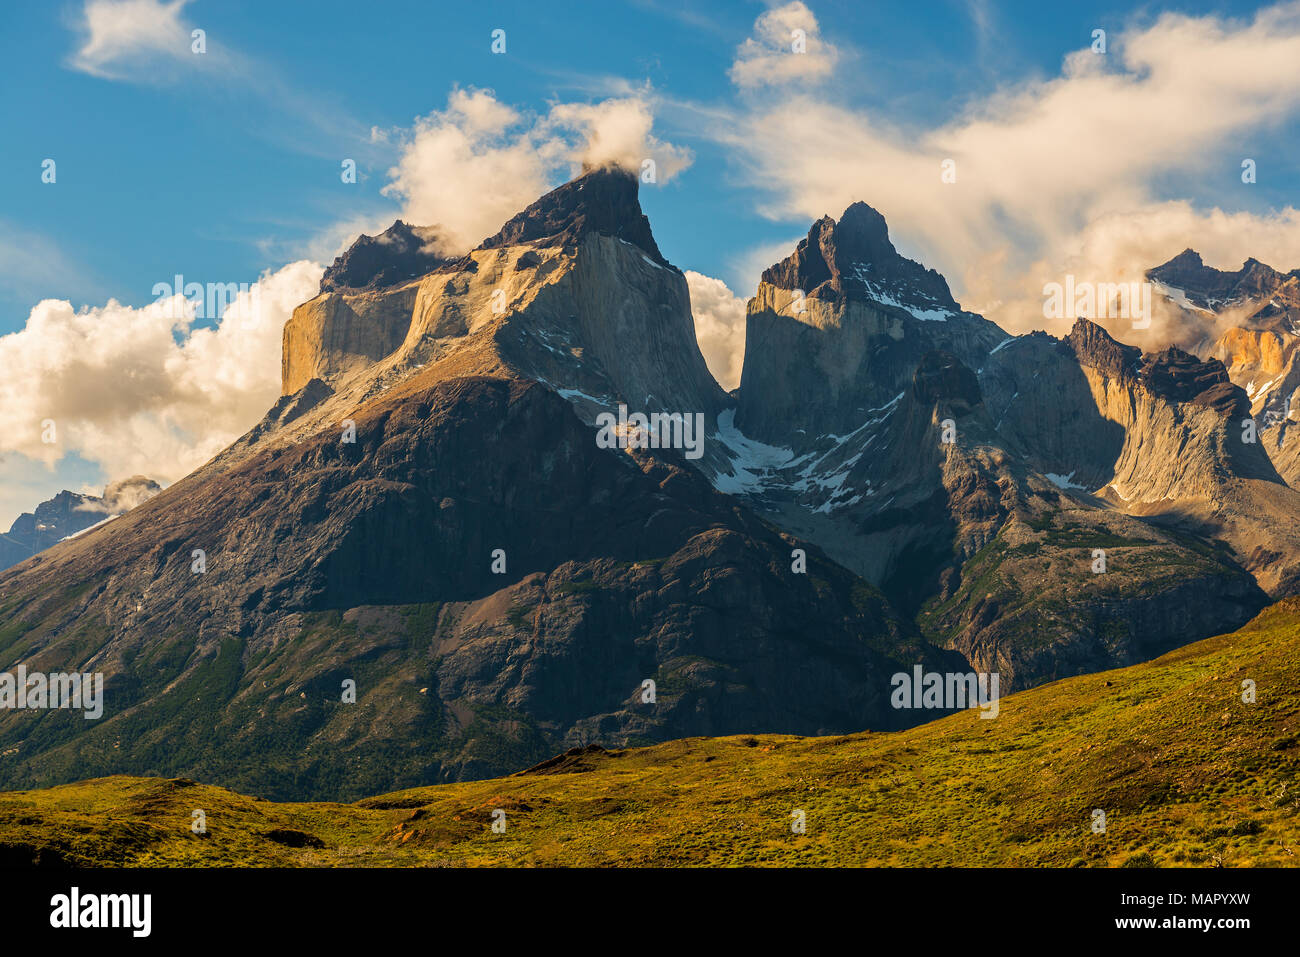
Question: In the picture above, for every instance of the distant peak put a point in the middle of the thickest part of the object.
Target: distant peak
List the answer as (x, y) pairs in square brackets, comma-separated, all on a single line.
[(398, 254), (1208, 287), (854, 258), (603, 200)]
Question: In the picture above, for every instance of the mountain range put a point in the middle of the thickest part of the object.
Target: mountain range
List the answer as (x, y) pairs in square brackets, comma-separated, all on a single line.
[(70, 513), (427, 511)]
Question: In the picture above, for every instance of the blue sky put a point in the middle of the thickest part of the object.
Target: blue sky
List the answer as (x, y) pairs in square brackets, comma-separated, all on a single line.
[(224, 165), (203, 176)]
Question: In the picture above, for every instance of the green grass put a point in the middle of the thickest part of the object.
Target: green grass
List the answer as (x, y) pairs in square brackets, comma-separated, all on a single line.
[(1186, 773)]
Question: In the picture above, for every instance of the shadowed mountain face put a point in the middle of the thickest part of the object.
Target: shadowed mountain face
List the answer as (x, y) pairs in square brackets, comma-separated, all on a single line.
[(601, 201), (837, 329), (397, 255), (1214, 289), (373, 561), (853, 256), (429, 511)]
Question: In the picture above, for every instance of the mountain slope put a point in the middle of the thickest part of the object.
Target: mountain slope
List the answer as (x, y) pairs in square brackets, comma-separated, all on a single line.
[(373, 562), (1020, 790), (440, 525)]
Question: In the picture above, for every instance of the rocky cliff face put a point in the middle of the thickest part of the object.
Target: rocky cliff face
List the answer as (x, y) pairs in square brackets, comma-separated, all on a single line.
[(1254, 315), (837, 329), (1058, 453), (573, 291)]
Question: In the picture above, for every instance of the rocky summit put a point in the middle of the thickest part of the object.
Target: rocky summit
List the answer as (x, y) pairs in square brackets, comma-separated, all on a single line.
[(425, 564), (837, 328), (1251, 322)]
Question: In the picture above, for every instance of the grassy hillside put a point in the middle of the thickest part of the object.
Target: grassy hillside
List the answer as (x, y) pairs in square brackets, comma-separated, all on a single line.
[(1186, 772)]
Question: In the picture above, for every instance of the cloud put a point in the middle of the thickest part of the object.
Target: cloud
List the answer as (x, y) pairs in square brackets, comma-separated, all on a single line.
[(786, 47), (141, 390), (1120, 247), (150, 42), (124, 39), (616, 132), (1054, 174), (719, 327), (120, 496), (470, 167)]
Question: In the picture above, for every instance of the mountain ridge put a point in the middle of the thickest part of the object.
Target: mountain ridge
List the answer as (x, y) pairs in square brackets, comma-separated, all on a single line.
[(896, 482)]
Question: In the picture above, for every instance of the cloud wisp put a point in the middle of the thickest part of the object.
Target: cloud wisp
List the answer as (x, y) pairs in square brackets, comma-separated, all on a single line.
[(1067, 174)]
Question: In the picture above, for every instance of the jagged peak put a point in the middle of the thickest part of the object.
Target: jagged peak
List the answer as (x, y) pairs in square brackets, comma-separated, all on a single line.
[(603, 200), (853, 257), (1206, 285), (1189, 257), (400, 253), (1171, 373), (1096, 348)]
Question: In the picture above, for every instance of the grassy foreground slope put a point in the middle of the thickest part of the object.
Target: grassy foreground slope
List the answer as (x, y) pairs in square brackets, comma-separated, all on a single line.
[(1186, 772)]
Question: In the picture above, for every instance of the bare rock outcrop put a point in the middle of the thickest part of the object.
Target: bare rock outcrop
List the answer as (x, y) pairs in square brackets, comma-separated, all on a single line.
[(837, 328)]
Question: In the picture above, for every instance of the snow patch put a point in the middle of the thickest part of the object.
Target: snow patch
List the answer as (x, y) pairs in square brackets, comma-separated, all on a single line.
[(1178, 298), (751, 460), (88, 528), (1064, 481), (887, 299)]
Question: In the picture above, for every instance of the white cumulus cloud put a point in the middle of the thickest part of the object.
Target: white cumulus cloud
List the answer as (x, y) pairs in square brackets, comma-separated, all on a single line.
[(468, 168), (142, 390), (719, 326), (1086, 172), (786, 47)]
